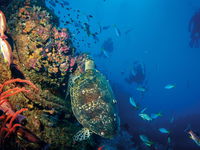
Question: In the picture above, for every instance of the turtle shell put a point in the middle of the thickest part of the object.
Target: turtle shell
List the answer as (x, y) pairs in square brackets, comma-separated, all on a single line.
[(93, 103)]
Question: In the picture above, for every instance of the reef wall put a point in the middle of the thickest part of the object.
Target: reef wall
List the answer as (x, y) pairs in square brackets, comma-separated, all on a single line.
[(44, 54)]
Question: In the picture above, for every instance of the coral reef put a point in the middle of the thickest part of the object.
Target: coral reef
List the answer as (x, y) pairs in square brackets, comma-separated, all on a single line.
[(44, 53), (43, 48), (11, 127)]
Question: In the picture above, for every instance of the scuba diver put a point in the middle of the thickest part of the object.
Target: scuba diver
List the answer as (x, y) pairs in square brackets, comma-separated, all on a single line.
[(137, 74), (194, 29)]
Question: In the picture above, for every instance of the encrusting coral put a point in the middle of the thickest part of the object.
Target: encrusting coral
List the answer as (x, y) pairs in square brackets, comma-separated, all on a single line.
[(45, 55), (10, 120)]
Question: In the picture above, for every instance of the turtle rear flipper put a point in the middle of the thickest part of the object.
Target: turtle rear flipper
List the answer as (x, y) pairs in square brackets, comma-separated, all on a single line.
[(81, 135)]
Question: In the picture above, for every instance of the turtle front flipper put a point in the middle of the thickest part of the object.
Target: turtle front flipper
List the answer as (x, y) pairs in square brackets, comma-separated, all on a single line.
[(81, 135)]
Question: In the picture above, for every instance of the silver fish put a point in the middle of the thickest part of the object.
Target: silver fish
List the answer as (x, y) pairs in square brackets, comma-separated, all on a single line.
[(163, 130), (169, 86)]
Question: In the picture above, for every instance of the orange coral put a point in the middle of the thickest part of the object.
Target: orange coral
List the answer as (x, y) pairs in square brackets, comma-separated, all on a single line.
[(4, 95), (8, 128), (17, 80), (29, 26)]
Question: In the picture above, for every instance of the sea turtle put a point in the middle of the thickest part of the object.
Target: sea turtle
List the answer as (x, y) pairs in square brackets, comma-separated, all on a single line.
[(93, 104)]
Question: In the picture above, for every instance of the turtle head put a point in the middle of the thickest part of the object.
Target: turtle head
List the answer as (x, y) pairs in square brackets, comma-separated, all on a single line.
[(89, 64)]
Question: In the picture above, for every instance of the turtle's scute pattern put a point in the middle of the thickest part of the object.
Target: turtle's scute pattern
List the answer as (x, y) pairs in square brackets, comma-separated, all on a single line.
[(93, 103)]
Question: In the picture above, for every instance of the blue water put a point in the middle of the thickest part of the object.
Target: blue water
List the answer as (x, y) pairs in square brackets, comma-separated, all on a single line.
[(160, 40)]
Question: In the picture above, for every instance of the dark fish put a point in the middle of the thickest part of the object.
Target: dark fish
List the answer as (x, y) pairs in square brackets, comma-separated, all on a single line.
[(52, 3), (90, 16), (87, 29), (66, 3), (68, 8), (105, 27), (95, 37)]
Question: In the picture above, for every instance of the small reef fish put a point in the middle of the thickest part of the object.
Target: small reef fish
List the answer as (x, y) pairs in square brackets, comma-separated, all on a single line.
[(145, 116), (87, 29), (117, 31), (169, 86), (155, 116), (95, 37), (163, 130), (146, 140), (132, 102), (194, 137), (141, 89), (2, 25), (6, 50)]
